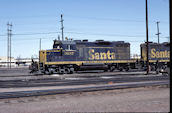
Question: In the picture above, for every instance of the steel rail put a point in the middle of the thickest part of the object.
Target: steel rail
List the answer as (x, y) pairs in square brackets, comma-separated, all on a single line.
[(7, 95), (63, 82)]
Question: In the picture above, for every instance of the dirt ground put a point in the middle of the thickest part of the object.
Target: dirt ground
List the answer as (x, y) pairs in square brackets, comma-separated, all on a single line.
[(152, 99)]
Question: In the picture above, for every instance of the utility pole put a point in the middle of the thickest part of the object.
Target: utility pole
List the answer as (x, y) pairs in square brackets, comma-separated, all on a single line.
[(8, 44), (40, 44), (58, 37), (62, 26), (158, 30), (9, 33), (147, 41), (10, 41), (169, 39)]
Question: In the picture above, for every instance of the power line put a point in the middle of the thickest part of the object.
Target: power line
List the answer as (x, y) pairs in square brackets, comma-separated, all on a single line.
[(40, 33), (82, 33), (106, 34), (37, 33), (112, 19), (87, 17), (3, 35)]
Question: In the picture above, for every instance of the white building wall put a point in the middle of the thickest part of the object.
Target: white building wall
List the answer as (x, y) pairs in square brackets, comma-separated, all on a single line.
[(3, 61)]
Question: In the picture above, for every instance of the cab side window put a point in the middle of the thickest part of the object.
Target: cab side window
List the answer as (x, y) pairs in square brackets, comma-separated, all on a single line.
[(68, 47)]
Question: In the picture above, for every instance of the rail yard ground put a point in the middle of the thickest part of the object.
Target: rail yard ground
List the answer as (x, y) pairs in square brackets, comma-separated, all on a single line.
[(122, 97), (126, 100)]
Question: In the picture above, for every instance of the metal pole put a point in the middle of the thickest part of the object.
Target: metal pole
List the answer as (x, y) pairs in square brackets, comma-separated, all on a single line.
[(158, 42), (62, 26), (158, 30), (147, 41), (170, 25), (8, 44), (10, 41), (58, 37), (40, 44)]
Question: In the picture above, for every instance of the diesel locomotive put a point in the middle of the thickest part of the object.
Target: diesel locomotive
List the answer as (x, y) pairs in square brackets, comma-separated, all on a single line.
[(68, 56), (159, 55)]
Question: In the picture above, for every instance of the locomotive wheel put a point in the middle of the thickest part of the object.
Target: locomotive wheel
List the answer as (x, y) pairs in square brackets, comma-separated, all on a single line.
[(43, 72), (61, 71), (112, 68), (71, 70), (47, 73), (67, 70), (105, 70), (120, 69), (157, 71), (152, 68), (127, 68), (51, 71)]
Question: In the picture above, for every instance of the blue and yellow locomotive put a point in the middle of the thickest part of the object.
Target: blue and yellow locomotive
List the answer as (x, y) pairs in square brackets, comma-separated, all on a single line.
[(159, 55), (68, 56)]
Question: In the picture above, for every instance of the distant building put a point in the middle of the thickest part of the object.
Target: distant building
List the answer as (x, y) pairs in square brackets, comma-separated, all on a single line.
[(3, 61), (16, 62), (135, 56)]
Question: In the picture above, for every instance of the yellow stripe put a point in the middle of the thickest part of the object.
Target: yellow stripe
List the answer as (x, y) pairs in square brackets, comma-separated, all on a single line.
[(80, 62), (69, 50), (99, 47), (56, 50), (159, 60)]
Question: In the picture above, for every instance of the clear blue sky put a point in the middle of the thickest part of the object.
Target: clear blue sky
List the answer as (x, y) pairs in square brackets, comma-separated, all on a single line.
[(112, 20)]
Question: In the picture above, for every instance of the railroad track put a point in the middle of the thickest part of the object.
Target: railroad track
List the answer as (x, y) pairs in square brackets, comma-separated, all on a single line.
[(7, 95), (12, 73), (78, 81)]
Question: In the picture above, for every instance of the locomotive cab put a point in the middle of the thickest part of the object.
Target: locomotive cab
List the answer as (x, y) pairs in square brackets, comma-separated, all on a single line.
[(55, 60), (65, 45), (57, 44)]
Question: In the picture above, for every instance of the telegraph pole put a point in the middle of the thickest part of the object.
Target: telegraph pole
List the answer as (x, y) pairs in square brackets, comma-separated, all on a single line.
[(58, 37), (62, 26), (40, 44), (147, 41), (10, 41), (9, 33), (8, 44), (158, 30)]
